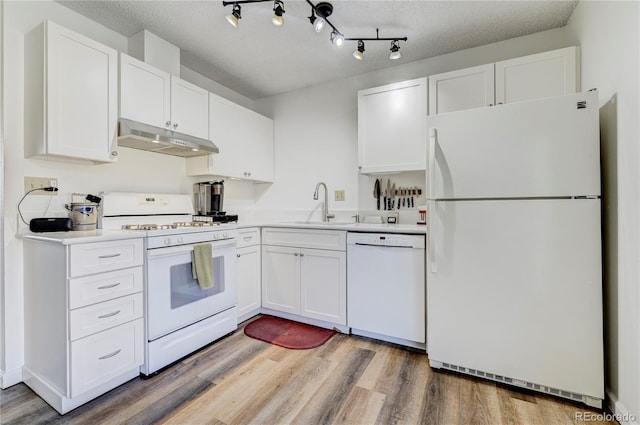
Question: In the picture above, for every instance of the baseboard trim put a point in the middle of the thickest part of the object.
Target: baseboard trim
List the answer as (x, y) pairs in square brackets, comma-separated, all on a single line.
[(619, 411), (10, 378)]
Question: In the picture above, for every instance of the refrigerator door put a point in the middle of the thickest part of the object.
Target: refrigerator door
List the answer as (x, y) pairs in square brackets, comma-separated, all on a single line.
[(514, 289), (541, 148)]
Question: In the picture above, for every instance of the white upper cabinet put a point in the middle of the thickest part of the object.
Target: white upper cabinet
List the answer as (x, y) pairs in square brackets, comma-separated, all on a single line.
[(245, 140), (152, 96), (71, 96), (462, 89), (392, 127), (145, 92), (189, 108), (547, 74)]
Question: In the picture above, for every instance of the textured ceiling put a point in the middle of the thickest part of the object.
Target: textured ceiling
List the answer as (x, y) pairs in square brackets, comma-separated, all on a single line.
[(258, 59)]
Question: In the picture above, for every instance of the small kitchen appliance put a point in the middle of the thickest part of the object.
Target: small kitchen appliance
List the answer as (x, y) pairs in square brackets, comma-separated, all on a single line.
[(180, 317), (208, 200)]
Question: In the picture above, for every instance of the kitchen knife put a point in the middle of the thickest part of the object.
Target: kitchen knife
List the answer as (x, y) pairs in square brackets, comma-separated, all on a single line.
[(388, 193), (384, 197), (376, 192), (393, 195)]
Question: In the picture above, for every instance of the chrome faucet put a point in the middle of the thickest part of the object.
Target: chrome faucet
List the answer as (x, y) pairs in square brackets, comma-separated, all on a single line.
[(325, 209)]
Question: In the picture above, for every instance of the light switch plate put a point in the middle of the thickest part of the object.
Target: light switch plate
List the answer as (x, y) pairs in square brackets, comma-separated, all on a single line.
[(339, 195)]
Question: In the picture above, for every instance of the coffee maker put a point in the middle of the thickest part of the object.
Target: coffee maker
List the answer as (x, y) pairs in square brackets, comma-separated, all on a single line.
[(208, 199)]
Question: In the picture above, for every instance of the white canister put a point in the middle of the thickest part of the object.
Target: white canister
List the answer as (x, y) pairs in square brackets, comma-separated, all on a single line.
[(84, 215)]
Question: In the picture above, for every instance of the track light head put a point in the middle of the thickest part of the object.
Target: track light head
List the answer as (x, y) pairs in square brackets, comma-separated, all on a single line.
[(278, 11), (359, 52), (234, 16), (324, 10), (337, 38), (395, 50)]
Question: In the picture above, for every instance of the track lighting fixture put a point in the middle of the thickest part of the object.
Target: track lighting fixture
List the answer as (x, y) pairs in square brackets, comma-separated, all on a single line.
[(319, 19), (359, 52), (234, 16), (395, 50), (278, 11), (337, 38)]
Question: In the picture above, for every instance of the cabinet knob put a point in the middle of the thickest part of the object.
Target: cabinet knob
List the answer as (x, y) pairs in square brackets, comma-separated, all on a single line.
[(296, 254), (168, 123), (238, 255), (301, 254), (491, 104), (499, 103), (249, 173), (175, 125), (114, 153)]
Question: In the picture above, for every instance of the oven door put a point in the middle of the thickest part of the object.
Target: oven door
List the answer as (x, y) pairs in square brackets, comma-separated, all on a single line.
[(174, 298)]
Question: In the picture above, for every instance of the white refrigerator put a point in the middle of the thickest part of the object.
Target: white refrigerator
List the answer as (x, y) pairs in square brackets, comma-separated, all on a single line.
[(514, 273)]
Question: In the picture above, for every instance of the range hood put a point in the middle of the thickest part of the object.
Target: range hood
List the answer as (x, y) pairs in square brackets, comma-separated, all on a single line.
[(133, 134)]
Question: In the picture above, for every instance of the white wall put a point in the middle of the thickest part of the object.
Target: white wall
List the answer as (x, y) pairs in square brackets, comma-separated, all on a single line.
[(316, 130), (608, 33)]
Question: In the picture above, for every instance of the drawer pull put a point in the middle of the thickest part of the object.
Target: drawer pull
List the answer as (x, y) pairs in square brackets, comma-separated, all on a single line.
[(107, 356), (113, 285), (248, 238), (111, 255), (104, 316)]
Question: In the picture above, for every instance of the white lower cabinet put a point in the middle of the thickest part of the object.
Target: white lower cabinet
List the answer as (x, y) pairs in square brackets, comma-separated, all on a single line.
[(84, 331), (300, 279), (249, 279)]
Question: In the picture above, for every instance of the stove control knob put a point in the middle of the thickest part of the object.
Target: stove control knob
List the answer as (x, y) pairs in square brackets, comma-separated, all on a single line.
[(216, 236), (167, 241), (225, 235), (179, 239)]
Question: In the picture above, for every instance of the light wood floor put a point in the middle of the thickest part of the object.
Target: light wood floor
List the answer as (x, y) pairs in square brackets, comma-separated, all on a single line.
[(348, 380)]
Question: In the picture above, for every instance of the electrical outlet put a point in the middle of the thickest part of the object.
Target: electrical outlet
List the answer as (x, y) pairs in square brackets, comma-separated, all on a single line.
[(339, 195), (31, 183)]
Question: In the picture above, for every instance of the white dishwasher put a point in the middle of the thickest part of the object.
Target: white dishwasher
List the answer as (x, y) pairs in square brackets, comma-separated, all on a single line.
[(386, 287)]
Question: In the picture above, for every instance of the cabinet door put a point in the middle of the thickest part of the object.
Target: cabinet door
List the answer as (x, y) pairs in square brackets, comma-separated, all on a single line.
[(536, 76), (323, 285), (461, 89), (249, 288), (145, 92), (281, 278), (226, 131), (189, 108), (259, 142), (392, 127), (81, 96)]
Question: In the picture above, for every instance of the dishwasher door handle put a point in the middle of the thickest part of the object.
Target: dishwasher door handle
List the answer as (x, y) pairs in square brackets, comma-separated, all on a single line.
[(382, 246)]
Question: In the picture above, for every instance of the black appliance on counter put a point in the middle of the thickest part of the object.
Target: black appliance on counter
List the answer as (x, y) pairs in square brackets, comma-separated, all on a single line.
[(208, 198)]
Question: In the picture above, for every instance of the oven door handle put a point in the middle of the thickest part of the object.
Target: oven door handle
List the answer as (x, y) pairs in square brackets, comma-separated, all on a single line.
[(215, 245)]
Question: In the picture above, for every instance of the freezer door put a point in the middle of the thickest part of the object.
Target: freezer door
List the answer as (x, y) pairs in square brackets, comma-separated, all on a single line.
[(514, 289), (541, 148)]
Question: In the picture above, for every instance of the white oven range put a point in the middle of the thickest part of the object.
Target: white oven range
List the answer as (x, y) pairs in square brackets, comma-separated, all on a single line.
[(179, 316)]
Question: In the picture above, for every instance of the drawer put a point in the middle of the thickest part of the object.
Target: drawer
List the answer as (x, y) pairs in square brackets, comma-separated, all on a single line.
[(104, 286), (100, 257), (334, 240), (103, 356), (248, 237), (98, 317)]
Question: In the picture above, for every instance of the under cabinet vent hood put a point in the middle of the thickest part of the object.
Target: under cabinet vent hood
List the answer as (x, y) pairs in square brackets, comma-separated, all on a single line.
[(133, 134)]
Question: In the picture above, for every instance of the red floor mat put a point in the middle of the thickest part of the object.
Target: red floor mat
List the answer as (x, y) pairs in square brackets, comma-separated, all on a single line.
[(288, 334)]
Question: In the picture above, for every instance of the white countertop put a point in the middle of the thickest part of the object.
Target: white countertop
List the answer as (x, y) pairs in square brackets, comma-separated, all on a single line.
[(349, 227), (76, 237)]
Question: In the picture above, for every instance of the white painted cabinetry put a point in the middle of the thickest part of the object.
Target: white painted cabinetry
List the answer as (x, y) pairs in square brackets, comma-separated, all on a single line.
[(304, 274), (249, 273), (71, 96), (392, 127), (245, 140), (153, 96), (547, 74), (84, 332)]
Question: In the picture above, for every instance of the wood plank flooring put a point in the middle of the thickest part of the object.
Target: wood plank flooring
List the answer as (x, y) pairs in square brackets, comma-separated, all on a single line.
[(348, 380)]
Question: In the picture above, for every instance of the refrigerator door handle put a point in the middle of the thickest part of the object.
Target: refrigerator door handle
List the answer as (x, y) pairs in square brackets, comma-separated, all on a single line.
[(433, 140), (431, 248)]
